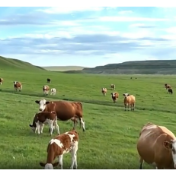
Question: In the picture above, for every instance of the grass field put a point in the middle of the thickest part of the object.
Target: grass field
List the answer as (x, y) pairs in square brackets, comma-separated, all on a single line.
[(109, 141)]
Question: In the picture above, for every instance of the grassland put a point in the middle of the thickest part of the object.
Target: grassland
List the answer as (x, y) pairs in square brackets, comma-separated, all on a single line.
[(63, 68), (109, 141)]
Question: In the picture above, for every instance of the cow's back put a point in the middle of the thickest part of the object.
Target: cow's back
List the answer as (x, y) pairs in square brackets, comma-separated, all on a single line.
[(150, 144), (63, 109)]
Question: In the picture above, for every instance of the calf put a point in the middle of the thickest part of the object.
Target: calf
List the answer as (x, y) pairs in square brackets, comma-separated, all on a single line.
[(167, 86), (46, 90), (170, 90), (1, 81), (114, 96), (42, 118), (112, 86), (129, 100), (53, 91), (157, 146), (17, 85), (58, 146), (65, 110), (104, 91), (48, 80)]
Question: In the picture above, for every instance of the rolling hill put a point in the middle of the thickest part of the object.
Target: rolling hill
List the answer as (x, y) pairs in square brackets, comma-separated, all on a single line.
[(131, 67), (136, 67), (15, 64)]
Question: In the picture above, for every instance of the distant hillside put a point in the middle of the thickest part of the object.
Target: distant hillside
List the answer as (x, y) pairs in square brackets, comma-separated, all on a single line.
[(15, 64), (63, 68), (136, 67)]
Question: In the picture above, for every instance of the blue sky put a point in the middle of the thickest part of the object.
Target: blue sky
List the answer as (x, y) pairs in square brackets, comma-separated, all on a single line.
[(86, 36)]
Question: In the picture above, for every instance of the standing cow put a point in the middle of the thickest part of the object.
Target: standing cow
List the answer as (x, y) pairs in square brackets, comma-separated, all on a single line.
[(53, 91), (115, 96), (129, 100), (60, 145), (65, 110), (157, 146), (17, 86), (1, 81), (112, 86), (48, 80), (167, 86), (104, 91), (46, 90)]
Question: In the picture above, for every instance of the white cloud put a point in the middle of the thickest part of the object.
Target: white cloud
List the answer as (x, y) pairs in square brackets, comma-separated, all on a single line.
[(111, 7), (128, 19), (125, 12), (70, 9)]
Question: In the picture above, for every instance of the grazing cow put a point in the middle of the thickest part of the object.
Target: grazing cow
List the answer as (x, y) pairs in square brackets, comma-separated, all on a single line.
[(46, 90), (58, 146), (1, 81), (65, 110), (115, 96), (167, 86), (48, 80), (53, 91), (157, 146), (129, 100), (42, 118), (170, 90), (112, 86), (104, 91), (17, 85)]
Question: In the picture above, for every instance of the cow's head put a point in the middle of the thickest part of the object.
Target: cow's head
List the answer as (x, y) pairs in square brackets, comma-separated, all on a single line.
[(49, 165), (15, 82), (42, 104), (33, 125), (113, 94), (126, 94), (171, 145)]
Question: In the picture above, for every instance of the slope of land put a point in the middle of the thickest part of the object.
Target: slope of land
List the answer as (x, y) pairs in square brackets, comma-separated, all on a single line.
[(15, 64), (136, 67)]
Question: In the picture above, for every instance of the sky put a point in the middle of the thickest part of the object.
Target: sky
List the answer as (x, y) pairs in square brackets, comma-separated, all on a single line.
[(87, 36)]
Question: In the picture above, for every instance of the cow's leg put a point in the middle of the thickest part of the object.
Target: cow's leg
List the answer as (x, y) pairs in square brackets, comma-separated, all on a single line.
[(41, 128), (60, 161), (82, 123), (74, 156), (141, 161), (57, 127), (51, 127)]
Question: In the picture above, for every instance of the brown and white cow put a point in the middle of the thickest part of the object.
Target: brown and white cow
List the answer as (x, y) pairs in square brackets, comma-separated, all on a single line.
[(104, 91), (112, 86), (42, 118), (115, 96), (129, 100), (58, 146), (157, 146), (64, 110), (17, 85), (46, 89), (1, 81), (167, 86)]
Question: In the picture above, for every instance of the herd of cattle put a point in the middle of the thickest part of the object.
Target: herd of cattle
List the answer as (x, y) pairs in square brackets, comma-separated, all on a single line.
[(156, 144)]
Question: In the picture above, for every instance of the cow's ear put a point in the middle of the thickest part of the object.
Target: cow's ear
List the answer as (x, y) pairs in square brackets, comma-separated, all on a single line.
[(37, 101), (30, 125), (42, 164), (168, 144), (47, 102)]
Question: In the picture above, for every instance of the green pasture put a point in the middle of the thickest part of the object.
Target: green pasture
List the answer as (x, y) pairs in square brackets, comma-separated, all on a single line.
[(109, 141)]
